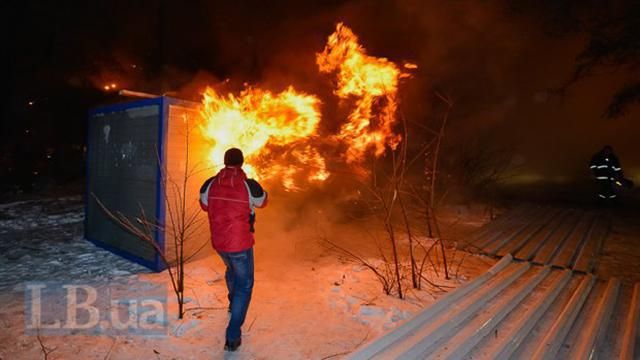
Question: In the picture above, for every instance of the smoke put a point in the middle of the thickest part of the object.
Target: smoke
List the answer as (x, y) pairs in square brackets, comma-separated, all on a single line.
[(495, 63)]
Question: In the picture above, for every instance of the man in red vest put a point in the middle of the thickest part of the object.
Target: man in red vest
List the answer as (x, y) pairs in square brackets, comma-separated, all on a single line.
[(230, 198)]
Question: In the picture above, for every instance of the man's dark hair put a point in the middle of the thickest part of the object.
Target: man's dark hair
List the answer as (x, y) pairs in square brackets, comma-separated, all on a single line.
[(233, 157)]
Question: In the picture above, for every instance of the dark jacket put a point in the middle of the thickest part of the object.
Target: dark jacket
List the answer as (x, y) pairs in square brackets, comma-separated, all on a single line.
[(606, 166)]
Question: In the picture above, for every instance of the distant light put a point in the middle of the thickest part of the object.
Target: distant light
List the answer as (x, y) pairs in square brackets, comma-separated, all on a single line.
[(410, 66), (31, 103), (35, 173), (48, 156), (26, 131), (106, 87), (113, 85), (134, 66)]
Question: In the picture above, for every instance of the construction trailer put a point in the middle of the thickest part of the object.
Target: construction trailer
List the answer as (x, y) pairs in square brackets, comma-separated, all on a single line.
[(131, 148)]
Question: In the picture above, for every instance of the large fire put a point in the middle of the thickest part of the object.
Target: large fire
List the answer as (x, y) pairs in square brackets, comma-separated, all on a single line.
[(278, 132), (373, 83), (259, 122)]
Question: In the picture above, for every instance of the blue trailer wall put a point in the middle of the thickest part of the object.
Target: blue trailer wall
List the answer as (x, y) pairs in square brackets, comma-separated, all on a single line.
[(125, 145)]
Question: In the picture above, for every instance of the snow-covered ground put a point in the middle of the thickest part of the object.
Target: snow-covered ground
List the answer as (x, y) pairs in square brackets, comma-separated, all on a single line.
[(317, 306), (43, 241)]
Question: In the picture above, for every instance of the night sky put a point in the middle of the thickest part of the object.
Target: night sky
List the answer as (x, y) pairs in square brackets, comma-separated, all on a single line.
[(501, 61)]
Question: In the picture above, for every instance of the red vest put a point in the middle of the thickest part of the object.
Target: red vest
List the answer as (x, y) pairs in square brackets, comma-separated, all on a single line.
[(229, 211)]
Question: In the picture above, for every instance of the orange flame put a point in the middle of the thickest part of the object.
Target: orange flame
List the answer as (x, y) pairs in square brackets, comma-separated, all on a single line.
[(259, 121), (278, 131), (373, 82)]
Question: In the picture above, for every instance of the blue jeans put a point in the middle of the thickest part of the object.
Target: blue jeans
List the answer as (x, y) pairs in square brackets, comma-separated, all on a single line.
[(239, 278)]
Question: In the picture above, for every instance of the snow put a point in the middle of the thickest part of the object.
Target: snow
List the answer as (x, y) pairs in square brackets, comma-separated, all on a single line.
[(309, 306), (42, 240), (14, 216)]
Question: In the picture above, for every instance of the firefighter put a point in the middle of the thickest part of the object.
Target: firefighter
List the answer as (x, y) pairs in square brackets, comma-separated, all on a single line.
[(606, 169), (229, 198)]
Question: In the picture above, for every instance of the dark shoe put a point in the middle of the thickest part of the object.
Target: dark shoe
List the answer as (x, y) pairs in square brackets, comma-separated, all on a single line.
[(232, 345)]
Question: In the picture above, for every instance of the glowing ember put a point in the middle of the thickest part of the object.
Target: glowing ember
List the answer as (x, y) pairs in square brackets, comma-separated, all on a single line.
[(269, 128), (373, 83)]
